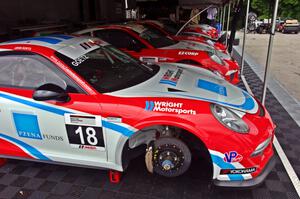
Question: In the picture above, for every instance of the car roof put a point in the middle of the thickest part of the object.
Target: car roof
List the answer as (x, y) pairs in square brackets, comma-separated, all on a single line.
[(134, 27), (72, 46)]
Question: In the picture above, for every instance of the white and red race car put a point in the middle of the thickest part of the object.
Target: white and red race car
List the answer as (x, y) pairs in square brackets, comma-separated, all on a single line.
[(80, 101)]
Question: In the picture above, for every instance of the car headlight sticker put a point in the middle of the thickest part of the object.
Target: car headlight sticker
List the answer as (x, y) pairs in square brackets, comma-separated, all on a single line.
[(229, 119)]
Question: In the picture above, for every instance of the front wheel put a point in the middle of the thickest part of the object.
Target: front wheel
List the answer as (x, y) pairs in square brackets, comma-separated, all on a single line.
[(171, 157)]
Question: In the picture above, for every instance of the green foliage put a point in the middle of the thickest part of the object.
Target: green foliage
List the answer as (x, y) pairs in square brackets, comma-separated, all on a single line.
[(287, 8)]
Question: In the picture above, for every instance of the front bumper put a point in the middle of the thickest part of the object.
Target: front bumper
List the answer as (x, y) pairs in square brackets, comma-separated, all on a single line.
[(251, 182), (291, 28)]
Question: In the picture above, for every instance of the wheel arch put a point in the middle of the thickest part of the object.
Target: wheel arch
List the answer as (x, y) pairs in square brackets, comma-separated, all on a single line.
[(199, 138)]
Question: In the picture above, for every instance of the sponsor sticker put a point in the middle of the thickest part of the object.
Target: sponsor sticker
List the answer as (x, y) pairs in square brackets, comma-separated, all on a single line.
[(188, 53), (79, 60), (168, 107), (85, 131), (238, 171), (232, 157), (27, 125), (171, 77), (25, 48), (149, 59), (53, 137)]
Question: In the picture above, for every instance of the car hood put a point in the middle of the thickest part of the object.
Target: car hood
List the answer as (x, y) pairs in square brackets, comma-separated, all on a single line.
[(183, 81), (189, 45)]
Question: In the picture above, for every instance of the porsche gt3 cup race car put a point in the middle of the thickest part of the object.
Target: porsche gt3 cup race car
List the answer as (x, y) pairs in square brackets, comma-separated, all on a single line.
[(202, 30), (150, 47), (80, 101), (167, 31)]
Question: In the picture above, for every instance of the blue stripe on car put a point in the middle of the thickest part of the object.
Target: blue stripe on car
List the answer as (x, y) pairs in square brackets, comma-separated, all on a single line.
[(168, 82), (212, 87), (115, 127), (41, 39), (35, 105), (66, 37), (248, 104), (224, 165), (30, 149), (118, 128)]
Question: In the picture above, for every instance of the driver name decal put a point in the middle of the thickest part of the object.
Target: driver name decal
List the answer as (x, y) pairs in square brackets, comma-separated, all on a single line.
[(168, 107), (79, 60), (171, 77)]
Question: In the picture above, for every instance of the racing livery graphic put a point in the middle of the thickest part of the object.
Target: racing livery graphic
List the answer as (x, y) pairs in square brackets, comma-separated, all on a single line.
[(80, 101)]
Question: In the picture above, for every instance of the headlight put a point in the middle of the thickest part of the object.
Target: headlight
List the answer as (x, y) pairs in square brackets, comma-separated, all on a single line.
[(229, 119), (210, 42), (223, 55), (230, 72), (216, 59), (261, 147)]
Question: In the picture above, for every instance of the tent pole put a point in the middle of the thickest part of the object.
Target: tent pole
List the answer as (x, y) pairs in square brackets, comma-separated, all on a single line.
[(244, 38), (270, 47), (228, 19), (179, 31), (126, 4), (223, 17)]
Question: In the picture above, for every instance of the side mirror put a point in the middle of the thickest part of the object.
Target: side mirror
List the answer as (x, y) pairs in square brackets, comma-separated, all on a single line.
[(50, 92)]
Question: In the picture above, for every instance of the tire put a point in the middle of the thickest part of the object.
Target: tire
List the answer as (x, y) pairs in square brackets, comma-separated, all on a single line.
[(171, 157)]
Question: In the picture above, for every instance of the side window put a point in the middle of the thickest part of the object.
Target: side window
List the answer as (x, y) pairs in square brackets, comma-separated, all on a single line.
[(120, 39), (30, 71)]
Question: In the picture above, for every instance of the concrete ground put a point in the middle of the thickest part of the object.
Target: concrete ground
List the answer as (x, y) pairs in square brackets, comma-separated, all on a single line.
[(285, 63)]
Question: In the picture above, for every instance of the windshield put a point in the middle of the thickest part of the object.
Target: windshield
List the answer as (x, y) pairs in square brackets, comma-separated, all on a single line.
[(108, 69), (156, 38), (171, 28)]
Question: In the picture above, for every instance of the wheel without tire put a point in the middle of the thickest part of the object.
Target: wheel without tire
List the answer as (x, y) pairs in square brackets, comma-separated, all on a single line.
[(171, 157)]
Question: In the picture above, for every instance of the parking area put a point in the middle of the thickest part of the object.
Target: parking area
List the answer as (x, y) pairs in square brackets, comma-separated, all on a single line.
[(285, 57)]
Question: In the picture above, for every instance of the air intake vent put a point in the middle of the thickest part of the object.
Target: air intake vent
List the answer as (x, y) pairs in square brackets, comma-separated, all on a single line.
[(174, 90)]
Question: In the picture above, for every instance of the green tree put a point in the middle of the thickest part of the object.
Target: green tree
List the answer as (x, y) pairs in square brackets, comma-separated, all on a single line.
[(287, 8)]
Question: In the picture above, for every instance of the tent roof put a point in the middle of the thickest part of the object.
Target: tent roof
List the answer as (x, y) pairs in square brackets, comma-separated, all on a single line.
[(200, 3)]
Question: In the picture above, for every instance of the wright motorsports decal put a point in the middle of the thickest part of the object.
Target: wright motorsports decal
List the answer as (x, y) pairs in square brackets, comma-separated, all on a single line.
[(168, 107)]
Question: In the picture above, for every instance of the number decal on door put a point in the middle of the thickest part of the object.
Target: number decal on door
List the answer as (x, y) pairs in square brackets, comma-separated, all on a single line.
[(88, 137)]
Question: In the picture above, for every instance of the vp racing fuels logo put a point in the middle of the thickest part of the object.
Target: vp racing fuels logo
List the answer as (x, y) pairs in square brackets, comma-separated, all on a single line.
[(232, 156), (168, 107), (171, 77)]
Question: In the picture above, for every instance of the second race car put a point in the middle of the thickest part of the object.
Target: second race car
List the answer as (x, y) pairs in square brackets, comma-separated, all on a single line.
[(150, 46)]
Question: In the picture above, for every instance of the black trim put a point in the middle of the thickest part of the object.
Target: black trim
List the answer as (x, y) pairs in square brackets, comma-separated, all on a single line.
[(252, 182)]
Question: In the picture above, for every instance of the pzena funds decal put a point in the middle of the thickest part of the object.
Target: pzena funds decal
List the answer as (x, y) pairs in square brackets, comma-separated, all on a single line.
[(168, 107)]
